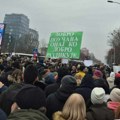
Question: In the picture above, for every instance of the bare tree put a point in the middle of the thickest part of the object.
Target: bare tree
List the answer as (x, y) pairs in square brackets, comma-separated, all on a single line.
[(43, 43), (26, 44), (114, 41)]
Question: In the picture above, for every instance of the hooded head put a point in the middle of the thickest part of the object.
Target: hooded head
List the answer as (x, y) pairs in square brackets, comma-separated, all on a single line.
[(67, 87), (87, 81), (68, 80)]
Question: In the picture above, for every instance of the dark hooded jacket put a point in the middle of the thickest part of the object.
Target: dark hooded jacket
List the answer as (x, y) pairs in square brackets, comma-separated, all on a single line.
[(52, 88), (86, 87), (29, 114), (102, 83), (100, 112), (56, 101)]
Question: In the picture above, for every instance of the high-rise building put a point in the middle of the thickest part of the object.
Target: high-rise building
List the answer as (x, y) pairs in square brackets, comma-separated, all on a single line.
[(16, 24), (34, 37), (34, 34), (18, 36)]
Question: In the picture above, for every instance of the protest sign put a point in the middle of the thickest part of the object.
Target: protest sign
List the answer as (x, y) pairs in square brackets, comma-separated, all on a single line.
[(88, 63), (65, 61), (64, 45), (116, 69)]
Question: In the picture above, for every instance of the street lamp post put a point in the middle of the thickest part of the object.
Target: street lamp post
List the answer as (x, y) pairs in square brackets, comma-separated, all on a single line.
[(110, 1), (114, 56)]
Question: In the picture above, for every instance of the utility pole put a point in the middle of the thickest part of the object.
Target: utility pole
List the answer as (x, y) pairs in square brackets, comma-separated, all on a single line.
[(110, 1)]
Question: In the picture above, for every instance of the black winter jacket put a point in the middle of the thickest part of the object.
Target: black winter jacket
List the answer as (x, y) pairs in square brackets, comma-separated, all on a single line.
[(100, 112), (56, 101)]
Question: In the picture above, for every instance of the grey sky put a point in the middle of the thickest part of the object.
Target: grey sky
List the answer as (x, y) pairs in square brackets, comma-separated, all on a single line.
[(96, 18)]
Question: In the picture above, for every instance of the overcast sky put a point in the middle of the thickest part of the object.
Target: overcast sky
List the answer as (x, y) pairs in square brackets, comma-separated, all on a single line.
[(96, 18)]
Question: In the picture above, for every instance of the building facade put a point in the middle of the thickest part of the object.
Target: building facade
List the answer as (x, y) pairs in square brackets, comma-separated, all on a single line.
[(16, 24), (18, 36), (34, 36)]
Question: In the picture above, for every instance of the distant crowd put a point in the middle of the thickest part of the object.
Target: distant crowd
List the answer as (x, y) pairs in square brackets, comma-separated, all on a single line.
[(51, 90)]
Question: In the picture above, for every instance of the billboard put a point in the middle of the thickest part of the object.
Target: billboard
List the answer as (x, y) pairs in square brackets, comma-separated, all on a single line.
[(2, 28), (64, 45)]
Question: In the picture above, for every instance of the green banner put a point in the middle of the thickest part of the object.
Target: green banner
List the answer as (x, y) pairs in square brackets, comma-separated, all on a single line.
[(64, 45)]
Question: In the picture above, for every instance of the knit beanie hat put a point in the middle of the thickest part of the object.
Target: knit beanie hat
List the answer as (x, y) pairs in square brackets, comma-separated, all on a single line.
[(117, 75), (115, 95), (98, 73), (97, 95), (30, 97), (68, 80)]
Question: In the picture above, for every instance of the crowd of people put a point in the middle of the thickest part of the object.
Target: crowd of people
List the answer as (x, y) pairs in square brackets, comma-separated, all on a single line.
[(50, 90)]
